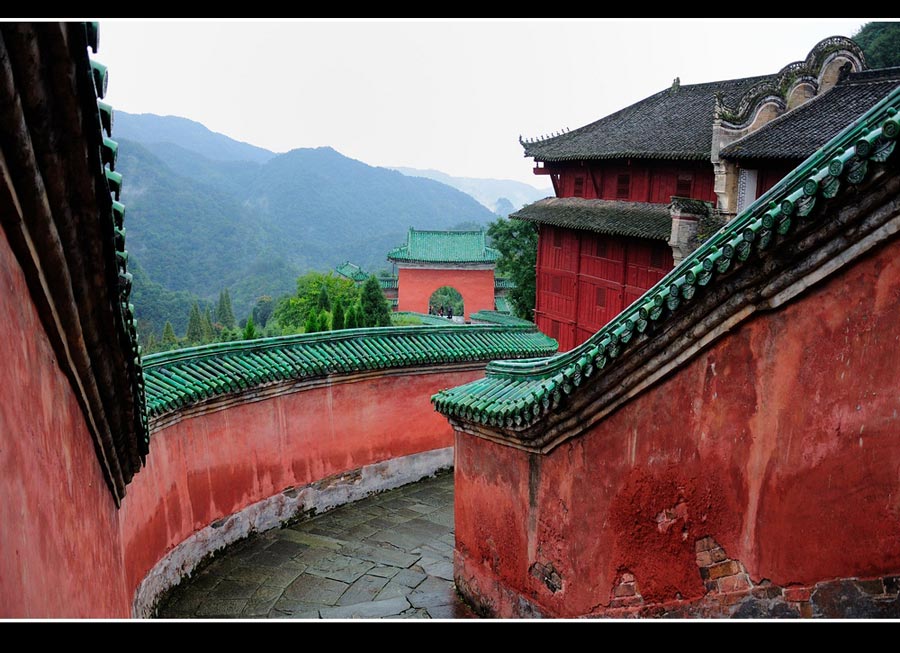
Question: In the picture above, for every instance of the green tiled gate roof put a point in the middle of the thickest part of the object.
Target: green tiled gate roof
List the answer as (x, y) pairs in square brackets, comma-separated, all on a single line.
[(183, 377), (517, 394), (445, 247)]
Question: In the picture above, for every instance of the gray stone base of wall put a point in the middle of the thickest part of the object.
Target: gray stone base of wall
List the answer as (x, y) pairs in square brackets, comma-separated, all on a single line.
[(287, 505)]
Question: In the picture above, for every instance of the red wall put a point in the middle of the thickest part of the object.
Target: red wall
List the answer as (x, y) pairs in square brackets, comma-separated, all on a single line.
[(66, 551), (207, 467), (780, 442), (416, 285), (649, 181), (60, 549), (575, 266)]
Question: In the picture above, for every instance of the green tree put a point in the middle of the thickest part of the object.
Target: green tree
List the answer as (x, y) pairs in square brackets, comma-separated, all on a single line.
[(517, 242), (880, 42), (194, 333), (324, 302), (351, 321), (206, 326), (375, 309), (169, 339), (312, 322), (249, 329), (293, 310), (224, 314), (337, 318), (263, 310), (323, 321)]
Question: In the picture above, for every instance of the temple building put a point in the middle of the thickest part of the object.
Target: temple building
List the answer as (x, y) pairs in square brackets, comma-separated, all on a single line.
[(620, 222), (433, 259)]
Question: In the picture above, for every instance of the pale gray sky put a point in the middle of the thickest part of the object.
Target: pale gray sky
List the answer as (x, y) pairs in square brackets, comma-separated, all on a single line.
[(453, 95)]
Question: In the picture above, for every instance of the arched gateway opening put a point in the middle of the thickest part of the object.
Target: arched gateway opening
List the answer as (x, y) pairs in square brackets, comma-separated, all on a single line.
[(447, 302)]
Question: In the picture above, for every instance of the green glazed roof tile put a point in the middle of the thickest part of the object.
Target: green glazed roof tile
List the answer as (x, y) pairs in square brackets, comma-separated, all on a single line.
[(179, 378), (444, 247)]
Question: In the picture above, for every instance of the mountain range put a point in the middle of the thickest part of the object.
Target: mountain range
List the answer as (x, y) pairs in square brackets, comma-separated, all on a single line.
[(205, 212)]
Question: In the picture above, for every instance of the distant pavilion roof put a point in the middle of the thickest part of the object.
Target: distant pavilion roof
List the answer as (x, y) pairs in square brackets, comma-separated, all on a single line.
[(351, 271), (612, 217), (799, 133), (444, 247)]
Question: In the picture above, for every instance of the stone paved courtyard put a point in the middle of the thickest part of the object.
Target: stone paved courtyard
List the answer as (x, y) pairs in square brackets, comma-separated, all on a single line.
[(387, 556)]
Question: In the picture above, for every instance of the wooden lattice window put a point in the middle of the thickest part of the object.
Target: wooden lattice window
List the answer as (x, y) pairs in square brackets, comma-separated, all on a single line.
[(557, 238), (554, 330), (656, 258), (601, 297), (683, 185), (579, 187), (623, 186), (601, 250), (556, 284)]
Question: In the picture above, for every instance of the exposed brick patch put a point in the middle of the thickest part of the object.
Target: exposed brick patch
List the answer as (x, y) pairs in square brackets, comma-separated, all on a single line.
[(705, 544), (735, 583), (625, 592), (548, 575), (797, 593), (727, 568)]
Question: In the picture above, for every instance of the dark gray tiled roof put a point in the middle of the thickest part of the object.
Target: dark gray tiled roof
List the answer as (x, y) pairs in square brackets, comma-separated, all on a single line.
[(672, 124), (638, 219), (799, 133)]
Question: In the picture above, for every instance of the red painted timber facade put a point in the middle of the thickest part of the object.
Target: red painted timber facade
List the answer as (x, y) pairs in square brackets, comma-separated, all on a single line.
[(585, 279), (68, 552), (634, 181), (778, 442), (416, 285)]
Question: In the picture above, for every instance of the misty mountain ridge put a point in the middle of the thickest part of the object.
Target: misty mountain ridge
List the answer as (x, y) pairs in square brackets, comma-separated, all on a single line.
[(198, 224), (489, 192)]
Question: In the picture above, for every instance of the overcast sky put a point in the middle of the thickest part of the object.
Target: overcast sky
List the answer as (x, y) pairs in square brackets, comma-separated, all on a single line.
[(453, 95)]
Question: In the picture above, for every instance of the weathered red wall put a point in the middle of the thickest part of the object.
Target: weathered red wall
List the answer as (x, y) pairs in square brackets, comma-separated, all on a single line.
[(780, 442), (210, 466), (416, 285), (66, 551), (60, 548)]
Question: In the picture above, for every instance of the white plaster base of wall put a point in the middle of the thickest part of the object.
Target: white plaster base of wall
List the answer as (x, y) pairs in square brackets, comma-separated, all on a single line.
[(289, 503)]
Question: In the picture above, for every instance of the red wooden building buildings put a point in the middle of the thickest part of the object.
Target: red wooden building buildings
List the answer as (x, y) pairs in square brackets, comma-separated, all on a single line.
[(631, 188)]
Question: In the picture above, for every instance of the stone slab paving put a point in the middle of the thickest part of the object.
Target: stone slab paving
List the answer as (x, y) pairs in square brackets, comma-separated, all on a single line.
[(387, 556)]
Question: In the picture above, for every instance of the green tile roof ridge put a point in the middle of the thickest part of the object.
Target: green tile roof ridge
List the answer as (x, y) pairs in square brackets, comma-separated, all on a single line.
[(497, 317), (179, 378), (429, 246), (516, 394)]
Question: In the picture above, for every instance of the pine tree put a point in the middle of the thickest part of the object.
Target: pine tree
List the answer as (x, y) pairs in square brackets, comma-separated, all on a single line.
[(206, 326), (324, 302), (224, 314), (312, 322), (351, 320), (323, 321), (194, 333), (249, 330), (169, 340), (375, 311), (337, 318)]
